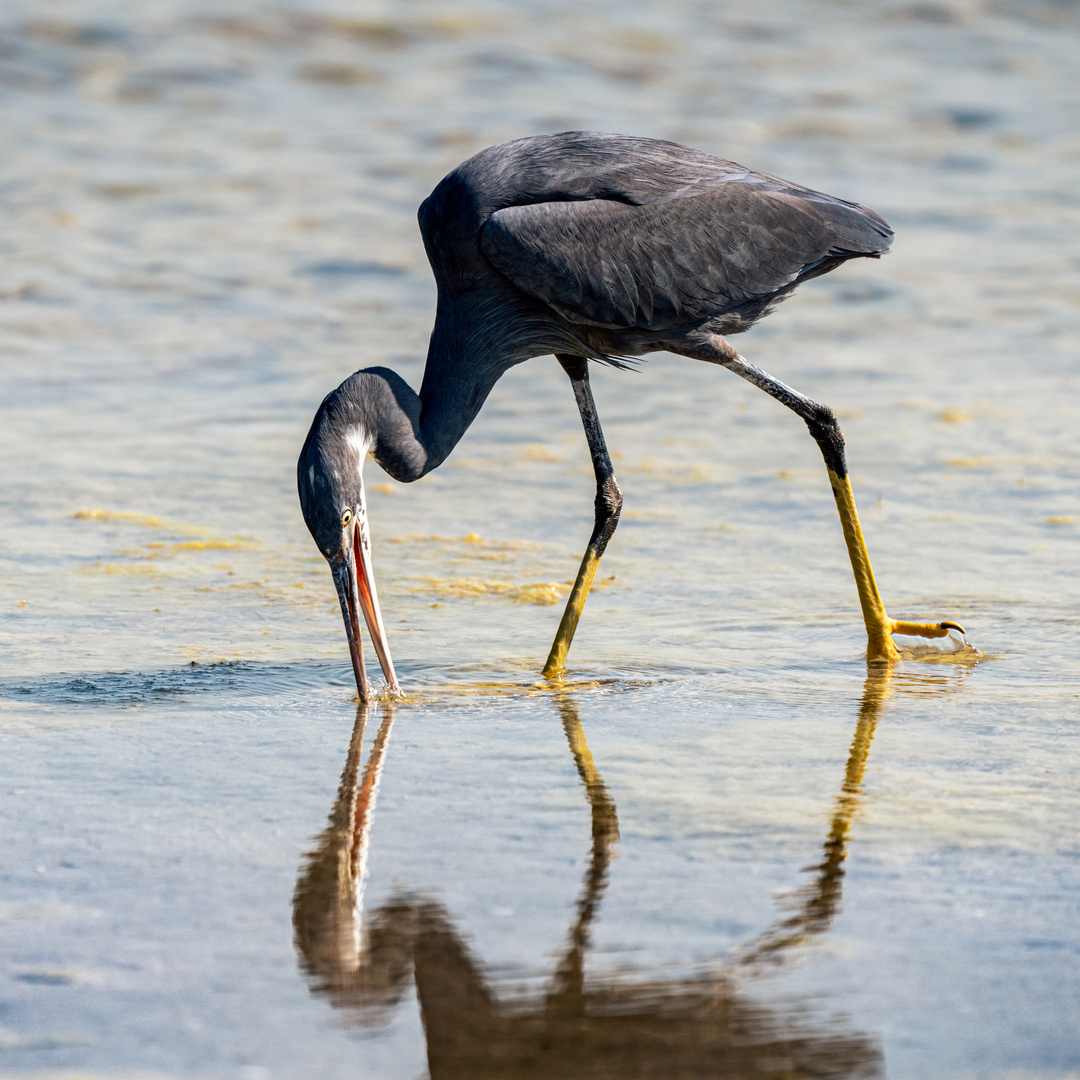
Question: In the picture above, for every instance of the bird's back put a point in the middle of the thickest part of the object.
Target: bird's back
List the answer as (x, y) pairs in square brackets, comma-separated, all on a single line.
[(617, 232)]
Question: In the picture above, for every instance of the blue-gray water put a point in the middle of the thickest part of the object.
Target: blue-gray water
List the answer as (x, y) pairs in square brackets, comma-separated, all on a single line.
[(210, 222)]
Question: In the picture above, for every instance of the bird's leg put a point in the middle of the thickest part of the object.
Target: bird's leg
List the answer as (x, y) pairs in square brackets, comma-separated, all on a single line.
[(608, 504), (825, 429)]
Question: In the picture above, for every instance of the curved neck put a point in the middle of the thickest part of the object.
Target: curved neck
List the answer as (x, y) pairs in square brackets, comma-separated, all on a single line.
[(410, 434), (474, 342)]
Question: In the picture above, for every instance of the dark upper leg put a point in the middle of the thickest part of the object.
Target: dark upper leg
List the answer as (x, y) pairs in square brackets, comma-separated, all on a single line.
[(820, 419)]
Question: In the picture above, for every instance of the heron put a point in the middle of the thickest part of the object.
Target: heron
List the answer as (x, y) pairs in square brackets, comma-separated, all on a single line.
[(593, 247)]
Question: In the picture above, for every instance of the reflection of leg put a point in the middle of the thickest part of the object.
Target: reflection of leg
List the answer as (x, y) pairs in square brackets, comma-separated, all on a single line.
[(820, 901), (607, 507), (825, 429), (823, 901), (605, 823), (566, 994)]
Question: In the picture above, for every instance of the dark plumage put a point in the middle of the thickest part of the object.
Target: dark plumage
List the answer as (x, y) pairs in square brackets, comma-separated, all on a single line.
[(592, 247), (609, 246), (677, 239), (602, 246)]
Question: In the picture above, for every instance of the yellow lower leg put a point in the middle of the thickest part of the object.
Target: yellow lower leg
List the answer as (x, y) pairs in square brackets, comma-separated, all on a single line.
[(879, 627), (821, 421), (605, 821), (556, 660)]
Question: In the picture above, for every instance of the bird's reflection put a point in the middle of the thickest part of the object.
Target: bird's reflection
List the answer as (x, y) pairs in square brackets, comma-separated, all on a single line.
[(635, 1025)]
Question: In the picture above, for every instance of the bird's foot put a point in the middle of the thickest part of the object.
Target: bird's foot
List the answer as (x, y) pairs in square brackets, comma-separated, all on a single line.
[(899, 639)]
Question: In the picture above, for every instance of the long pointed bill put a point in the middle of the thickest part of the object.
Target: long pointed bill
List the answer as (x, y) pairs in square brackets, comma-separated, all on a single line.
[(345, 582), (368, 598)]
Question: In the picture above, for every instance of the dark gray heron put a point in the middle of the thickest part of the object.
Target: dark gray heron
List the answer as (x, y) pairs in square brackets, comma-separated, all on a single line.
[(588, 246)]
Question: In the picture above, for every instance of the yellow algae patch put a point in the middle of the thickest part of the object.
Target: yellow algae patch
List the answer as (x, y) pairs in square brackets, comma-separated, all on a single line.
[(671, 472), (643, 41), (420, 538), (141, 553), (969, 462), (150, 521), (1061, 519), (537, 592), (383, 489), (204, 656), (117, 515), (461, 25), (537, 452), (954, 416), (474, 540), (269, 593), (157, 549), (336, 74), (543, 593), (212, 545), (233, 586), (700, 443), (121, 568)]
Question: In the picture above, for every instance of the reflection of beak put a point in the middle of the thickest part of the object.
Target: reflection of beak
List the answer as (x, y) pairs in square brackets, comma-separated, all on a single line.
[(356, 590)]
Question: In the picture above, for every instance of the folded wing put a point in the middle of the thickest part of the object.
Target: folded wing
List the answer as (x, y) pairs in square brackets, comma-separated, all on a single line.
[(611, 264)]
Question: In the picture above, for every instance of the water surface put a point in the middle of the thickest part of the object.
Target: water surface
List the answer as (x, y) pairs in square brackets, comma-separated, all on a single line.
[(720, 848)]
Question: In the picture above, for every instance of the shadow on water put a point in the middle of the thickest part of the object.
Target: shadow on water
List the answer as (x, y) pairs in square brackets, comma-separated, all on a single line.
[(636, 1024)]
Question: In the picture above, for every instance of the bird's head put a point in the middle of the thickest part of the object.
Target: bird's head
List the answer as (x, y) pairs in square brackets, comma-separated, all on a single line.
[(331, 486)]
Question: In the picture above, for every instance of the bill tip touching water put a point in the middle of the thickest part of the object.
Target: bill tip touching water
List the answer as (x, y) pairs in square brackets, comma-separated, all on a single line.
[(591, 247)]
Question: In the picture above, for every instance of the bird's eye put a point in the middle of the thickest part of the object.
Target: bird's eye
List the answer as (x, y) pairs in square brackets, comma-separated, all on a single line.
[(346, 518)]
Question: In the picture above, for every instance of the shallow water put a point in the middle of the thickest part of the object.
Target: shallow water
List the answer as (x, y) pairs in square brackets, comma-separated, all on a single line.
[(720, 847)]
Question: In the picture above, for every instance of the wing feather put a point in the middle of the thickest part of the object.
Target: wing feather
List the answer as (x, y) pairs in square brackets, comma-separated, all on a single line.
[(613, 264)]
